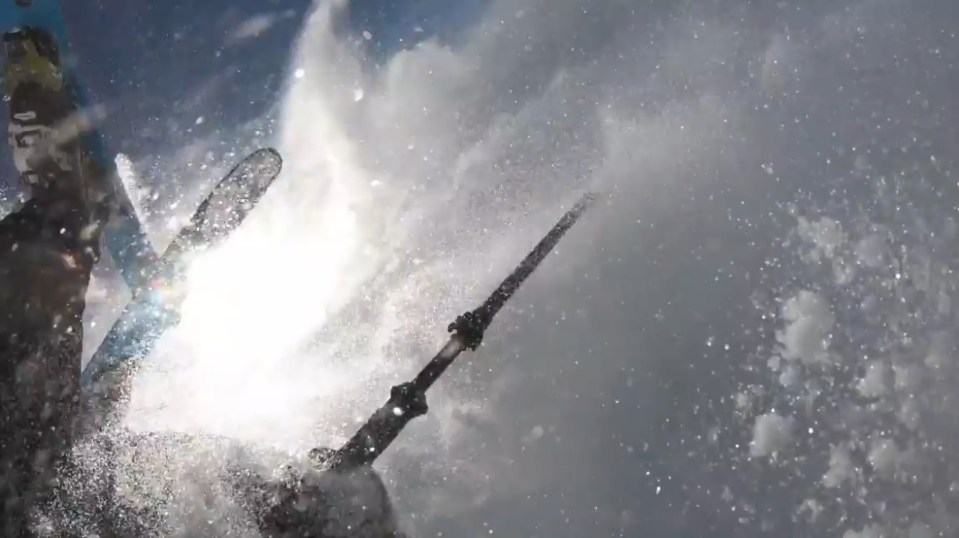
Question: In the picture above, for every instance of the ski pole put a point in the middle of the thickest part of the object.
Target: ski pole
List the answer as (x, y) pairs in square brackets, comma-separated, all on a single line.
[(408, 400)]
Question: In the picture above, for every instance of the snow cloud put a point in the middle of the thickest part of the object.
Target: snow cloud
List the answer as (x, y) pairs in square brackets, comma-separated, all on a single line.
[(414, 182), (869, 531), (411, 186), (252, 27), (809, 321), (825, 235), (841, 468), (880, 408)]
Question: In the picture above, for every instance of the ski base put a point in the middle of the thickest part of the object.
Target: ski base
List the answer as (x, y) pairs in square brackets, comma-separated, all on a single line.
[(153, 310)]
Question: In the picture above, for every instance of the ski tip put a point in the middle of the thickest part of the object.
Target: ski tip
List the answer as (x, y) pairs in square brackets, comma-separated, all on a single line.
[(268, 152), (584, 202), (267, 160)]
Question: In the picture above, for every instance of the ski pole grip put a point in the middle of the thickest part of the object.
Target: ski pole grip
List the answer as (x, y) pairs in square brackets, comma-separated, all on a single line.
[(471, 326)]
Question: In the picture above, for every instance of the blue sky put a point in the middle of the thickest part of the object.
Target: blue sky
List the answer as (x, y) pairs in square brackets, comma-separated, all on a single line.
[(400, 24), (160, 55)]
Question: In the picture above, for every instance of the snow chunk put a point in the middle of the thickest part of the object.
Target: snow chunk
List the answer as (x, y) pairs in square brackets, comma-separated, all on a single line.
[(920, 530), (871, 251), (940, 350), (842, 272), (825, 235), (811, 509), (907, 378), (910, 414), (744, 403), (869, 531), (841, 468), (885, 457), (809, 322), (132, 183), (790, 376), (873, 383), (771, 433), (253, 27)]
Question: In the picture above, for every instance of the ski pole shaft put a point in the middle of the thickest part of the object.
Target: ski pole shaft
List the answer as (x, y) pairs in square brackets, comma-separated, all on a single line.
[(510, 284), (408, 400)]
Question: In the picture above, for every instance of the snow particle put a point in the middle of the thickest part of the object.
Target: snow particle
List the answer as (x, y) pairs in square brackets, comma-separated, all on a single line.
[(871, 251), (826, 236), (885, 457), (771, 434), (841, 468), (873, 383), (920, 530), (869, 531)]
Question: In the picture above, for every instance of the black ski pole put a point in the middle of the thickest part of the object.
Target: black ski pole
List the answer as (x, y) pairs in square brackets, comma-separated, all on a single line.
[(408, 400)]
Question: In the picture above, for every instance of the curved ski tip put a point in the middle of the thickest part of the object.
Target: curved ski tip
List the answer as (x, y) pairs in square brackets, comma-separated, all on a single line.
[(273, 152), (267, 161), (586, 200), (268, 152)]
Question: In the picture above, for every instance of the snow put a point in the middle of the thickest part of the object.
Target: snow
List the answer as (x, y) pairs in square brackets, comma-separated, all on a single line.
[(920, 530), (910, 413), (907, 378), (841, 468), (876, 362), (811, 508), (744, 402), (826, 236), (940, 351), (809, 321), (873, 383), (886, 458), (252, 27), (869, 531), (131, 181), (851, 353), (871, 251), (791, 376), (772, 433)]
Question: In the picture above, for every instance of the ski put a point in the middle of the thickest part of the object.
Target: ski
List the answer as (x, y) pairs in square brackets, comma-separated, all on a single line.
[(155, 308), (125, 237), (151, 278)]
